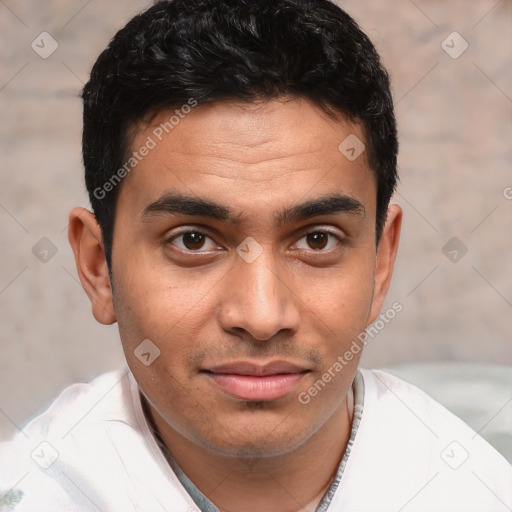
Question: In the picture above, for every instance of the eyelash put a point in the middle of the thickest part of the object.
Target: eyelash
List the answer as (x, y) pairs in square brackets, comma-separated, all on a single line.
[(199, 232)]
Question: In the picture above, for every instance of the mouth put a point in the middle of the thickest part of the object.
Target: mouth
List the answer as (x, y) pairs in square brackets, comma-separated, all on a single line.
[(255, 382)]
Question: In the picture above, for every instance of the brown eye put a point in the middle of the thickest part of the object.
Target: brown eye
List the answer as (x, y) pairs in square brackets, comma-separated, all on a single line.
[(318, 240), (193, 241)]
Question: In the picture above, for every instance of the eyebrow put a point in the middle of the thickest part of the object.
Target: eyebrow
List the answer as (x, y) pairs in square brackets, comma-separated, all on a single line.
[(327, 205), (180, 204)]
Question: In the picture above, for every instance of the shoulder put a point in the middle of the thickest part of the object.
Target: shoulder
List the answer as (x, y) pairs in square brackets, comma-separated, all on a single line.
[(58, 452), (402, 403), (82, 403), (91, 449), (415, 451)]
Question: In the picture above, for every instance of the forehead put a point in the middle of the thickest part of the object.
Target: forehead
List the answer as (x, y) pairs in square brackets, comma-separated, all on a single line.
[(248, 152)]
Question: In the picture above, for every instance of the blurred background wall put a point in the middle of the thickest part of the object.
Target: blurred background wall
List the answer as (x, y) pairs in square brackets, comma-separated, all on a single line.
[(451, 67)]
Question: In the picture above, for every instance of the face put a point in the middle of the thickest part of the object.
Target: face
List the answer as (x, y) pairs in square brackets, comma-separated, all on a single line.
[(244, 249)]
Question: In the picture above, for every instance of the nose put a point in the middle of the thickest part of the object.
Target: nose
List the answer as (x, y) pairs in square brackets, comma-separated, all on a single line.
[(258, 300)]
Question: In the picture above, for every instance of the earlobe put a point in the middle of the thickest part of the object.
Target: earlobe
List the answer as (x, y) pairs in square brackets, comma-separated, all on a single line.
[(84, 235), (386, 256)]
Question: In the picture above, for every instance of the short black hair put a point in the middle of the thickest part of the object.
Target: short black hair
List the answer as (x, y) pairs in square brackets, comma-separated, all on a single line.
[(202, 51)]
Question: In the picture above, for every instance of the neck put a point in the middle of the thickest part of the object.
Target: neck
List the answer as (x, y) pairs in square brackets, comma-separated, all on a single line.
[(291, 482)]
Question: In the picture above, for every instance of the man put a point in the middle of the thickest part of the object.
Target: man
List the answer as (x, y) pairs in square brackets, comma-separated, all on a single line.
[(240, 157)]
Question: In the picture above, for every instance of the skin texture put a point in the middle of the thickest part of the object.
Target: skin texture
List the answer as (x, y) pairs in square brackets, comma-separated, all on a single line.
[(303, 300)]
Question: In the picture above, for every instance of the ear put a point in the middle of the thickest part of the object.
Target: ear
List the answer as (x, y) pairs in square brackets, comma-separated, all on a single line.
[(386, 255), (84, 235)]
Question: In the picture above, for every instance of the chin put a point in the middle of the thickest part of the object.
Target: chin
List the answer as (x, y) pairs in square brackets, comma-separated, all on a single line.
[(251, 441), (253, 449)]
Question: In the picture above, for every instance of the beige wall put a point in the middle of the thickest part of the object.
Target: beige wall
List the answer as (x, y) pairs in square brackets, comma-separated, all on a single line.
[(454, 118)]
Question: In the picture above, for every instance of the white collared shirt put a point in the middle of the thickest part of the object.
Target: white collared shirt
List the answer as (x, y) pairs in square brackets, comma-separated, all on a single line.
[(93, 450)]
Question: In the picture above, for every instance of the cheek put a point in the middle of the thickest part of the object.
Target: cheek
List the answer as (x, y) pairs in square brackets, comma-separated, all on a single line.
[(168, 309), (154, 300), (343, 299), (157, 339)]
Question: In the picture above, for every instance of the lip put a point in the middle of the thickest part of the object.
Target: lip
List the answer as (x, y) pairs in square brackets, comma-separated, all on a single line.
[(250, 381)]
